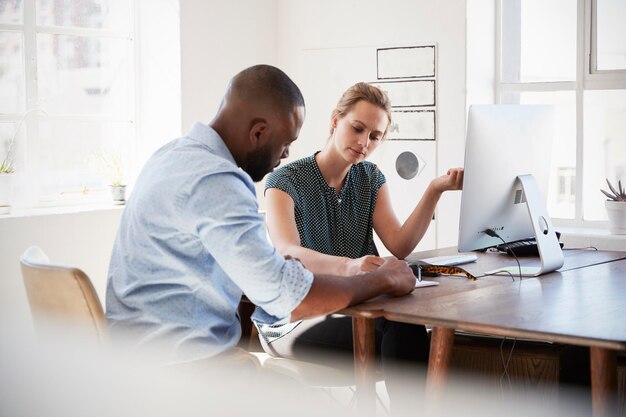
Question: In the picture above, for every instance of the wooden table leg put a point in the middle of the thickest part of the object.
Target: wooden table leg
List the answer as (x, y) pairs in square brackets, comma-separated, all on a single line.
[(245, 309), (603, 382), (364, 354), (441, 341)]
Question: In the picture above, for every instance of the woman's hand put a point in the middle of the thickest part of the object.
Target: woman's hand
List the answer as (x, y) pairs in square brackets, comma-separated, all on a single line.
[(364, 264), (452, 180)]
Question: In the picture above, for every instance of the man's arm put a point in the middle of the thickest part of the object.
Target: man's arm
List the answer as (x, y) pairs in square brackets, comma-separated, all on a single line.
[(329, 294), (233, 233)]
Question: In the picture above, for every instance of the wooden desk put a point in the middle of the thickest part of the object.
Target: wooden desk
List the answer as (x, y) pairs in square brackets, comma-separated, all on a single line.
[(583, 303)]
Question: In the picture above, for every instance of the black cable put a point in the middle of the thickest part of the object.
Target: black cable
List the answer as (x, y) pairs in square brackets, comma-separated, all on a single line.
[(498, 273), (505, 365), (493, 233)]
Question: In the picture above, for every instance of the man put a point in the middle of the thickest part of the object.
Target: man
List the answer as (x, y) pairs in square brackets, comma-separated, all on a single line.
[(191, 240)]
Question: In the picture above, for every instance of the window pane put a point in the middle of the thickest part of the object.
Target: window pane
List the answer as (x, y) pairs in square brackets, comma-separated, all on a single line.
[(611, 34), (81, 75), (12, 97), (101, 14), (11, 11), (561, 188), (67, 151), (604, 147), (538, 40)]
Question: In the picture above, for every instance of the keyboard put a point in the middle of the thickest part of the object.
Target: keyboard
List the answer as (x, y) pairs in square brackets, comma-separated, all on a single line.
[(526, 247), (451, 260)]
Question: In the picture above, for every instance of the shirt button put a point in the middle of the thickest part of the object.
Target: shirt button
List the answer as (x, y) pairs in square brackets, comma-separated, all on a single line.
[(339, 200)]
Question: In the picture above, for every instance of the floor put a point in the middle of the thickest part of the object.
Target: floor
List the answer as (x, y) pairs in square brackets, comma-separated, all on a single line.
[(344, 396)]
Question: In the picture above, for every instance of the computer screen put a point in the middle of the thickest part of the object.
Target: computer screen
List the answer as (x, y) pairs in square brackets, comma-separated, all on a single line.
[(504, 142)]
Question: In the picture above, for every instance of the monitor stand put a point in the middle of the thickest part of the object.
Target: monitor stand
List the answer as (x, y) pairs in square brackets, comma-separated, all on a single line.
[(550, 251)]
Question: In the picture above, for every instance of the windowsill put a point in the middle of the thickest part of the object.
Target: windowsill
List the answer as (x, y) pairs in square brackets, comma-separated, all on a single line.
[(602, 239), (572, 237), (17, 212)]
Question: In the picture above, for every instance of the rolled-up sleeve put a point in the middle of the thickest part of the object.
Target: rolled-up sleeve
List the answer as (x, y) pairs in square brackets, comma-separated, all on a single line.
[(223, 211), (295, 279)]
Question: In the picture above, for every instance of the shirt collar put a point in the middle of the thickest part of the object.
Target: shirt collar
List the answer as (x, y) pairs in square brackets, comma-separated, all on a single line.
[(209, 137)]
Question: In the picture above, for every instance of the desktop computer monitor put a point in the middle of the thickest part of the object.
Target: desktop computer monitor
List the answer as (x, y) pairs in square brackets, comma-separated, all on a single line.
[(507, 162)]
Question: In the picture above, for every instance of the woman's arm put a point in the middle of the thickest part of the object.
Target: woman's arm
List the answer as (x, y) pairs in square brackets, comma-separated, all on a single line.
[(281, 224), (401, 240)]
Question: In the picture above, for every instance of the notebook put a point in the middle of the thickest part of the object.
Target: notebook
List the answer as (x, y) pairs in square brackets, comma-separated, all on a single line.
[(419, 284)]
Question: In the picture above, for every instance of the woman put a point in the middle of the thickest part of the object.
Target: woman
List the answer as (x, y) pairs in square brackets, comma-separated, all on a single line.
[(322, 210)]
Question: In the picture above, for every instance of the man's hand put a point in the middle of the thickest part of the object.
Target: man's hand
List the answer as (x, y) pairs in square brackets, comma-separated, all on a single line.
[(330, 293), (400, 276)]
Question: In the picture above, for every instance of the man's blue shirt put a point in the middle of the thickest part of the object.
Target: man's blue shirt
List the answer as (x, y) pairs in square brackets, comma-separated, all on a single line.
[(190, 242)]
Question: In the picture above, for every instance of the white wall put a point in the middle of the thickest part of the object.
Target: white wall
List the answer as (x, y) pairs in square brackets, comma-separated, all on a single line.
[(349, 23), (219, 39), (481, 49), (158, 47)]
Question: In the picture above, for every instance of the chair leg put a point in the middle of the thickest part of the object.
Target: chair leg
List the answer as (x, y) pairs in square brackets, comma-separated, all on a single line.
[(352, 403), (382, 404)]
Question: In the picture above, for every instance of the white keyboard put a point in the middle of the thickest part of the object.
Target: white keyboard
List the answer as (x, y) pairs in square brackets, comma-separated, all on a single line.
[(451, 260)]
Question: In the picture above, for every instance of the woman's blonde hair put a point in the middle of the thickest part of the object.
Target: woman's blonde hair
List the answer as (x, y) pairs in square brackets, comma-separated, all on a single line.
[(362, 91)]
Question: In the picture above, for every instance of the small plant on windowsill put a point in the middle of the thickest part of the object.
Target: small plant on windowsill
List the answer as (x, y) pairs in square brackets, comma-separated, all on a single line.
[(6, 167), (110, 165), (7, 170), (616, 207)]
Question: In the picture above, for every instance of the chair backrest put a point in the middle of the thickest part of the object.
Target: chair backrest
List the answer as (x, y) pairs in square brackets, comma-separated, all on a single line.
[(61, 295)]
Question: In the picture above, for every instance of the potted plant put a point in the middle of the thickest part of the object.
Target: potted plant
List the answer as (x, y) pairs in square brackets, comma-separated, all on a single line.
[(616, 207), (110, 164), (6, 178)]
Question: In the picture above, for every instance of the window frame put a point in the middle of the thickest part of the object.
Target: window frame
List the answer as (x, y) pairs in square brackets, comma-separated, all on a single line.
[(588, 77), (33, 114), (594, 77)]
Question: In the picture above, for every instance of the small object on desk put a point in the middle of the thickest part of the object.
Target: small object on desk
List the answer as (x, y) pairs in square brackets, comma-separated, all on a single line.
[(422, 269), (446, 264), (417, 269), (419, 272)]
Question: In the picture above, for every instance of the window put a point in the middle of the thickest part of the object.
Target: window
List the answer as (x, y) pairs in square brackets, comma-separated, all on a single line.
[(572, 55), (71, 88)]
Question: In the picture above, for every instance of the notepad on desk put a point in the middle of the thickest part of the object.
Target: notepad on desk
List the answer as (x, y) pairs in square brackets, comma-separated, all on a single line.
[(419, 284)]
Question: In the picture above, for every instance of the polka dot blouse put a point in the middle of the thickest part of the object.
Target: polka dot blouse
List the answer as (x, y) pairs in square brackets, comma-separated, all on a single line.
[(332, 223)]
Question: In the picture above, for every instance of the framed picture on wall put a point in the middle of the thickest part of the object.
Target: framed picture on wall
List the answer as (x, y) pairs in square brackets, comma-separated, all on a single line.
[(405, 62), (412, 125), (410, 93)]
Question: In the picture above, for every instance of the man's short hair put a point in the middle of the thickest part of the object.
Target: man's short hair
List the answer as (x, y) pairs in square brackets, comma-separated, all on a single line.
[(269, 85)]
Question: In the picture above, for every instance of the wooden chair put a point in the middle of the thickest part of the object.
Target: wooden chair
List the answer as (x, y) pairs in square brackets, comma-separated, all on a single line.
[(61, 295)]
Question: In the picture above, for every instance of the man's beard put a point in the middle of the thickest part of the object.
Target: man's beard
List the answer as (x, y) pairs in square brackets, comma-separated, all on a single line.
[(258, 163)]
